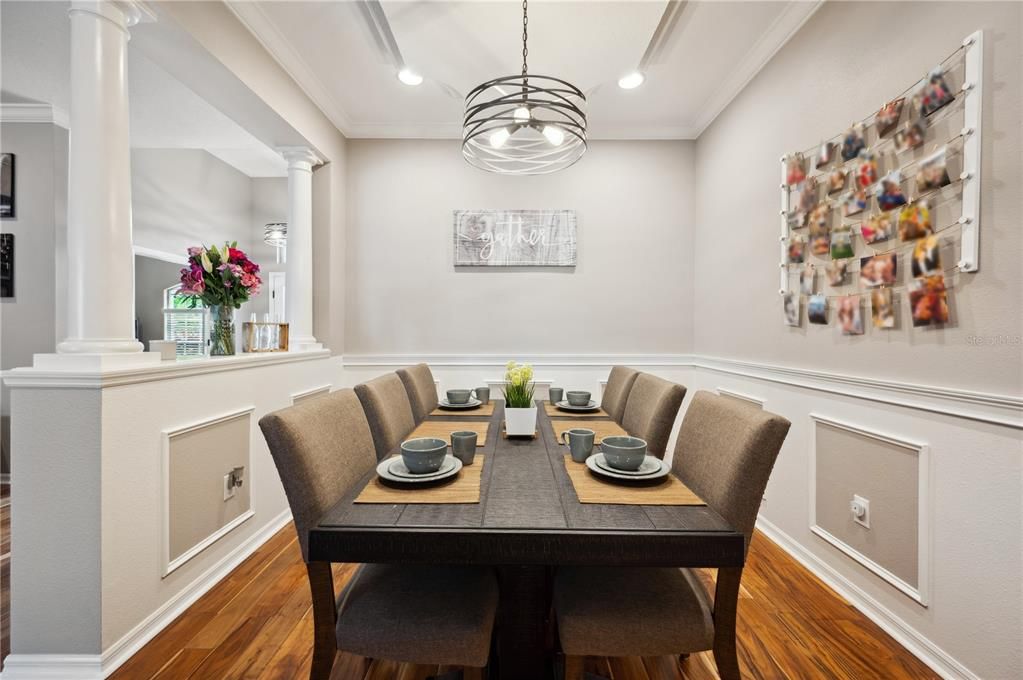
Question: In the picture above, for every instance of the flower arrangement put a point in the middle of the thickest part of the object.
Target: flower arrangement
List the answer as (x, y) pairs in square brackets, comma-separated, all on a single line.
[(222, 279), (518, 390)]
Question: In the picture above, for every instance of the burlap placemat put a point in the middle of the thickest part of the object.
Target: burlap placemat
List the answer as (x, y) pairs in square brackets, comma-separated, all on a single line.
[(483, 410), (462, 488), (442, 429), (601, 428), (591, 488), (555, 412)]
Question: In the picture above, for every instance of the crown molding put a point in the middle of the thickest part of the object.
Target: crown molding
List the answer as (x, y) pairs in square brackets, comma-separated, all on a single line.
[(33, 113)]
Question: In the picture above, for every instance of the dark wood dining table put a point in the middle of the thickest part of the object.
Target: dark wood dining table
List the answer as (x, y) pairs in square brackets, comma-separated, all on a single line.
[(528, 522)]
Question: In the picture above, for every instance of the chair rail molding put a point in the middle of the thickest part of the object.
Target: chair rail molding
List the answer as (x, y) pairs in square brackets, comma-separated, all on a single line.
[(920, 593), (18, 112)]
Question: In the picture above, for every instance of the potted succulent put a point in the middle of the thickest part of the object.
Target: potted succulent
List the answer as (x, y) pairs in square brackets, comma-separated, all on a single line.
[(519, 407), (222, 279)]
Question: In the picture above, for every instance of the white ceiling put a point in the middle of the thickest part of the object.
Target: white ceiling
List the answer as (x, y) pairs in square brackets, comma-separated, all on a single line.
[(712, 52), (165, 114)]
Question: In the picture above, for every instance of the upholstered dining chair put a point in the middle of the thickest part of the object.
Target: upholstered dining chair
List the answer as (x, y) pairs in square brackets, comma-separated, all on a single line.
[(421, 388), (616, 392), (414, 614), (651, 411), (725, 453), (388, 411)]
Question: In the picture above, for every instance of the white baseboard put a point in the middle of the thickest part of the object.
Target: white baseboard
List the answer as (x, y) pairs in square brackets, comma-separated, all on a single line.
[(122, 650), (918, 645), (53, 667)]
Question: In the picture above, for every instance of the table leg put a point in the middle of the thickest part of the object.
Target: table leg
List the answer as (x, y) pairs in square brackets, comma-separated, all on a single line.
[(522, 623)]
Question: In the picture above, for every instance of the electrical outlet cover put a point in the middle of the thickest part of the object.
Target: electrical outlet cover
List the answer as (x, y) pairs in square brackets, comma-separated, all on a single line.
[(865, 520)]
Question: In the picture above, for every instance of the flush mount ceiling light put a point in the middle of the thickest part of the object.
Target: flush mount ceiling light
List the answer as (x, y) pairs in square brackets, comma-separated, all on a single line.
[(631, 81), (276, 234), (409, 77), (524, 124)]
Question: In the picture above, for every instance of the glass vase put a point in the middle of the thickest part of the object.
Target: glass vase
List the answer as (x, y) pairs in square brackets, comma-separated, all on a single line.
[(221, 330)]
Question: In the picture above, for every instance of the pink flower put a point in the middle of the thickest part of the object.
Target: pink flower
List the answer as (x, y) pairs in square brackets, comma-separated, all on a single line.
[(194, 251), (250, 280)]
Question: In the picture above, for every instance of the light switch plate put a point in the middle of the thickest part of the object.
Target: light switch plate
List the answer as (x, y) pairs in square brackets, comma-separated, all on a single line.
[(228, 487)]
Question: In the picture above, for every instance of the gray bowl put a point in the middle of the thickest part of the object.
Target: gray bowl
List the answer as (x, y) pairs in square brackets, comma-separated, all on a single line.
[(578, 397), (459, 396), (423, 455), (623, 453)]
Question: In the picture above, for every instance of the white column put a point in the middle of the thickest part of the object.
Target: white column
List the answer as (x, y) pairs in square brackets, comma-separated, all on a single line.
[(101, 272), (298, 296)]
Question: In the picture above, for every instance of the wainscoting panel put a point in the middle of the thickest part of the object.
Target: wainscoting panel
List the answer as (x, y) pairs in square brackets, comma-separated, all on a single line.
[(306, 395)]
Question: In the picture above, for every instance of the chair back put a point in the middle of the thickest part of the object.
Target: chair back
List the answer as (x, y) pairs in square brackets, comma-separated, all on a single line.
[(421, 389), (322, 447), (616, 392), (388, 411), (651, 411), (725, 452)]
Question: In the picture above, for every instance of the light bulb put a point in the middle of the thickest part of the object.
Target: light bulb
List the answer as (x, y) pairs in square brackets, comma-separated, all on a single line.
[(522, 114), (499, 137), (409, 77), (631, 81), (554, 134)]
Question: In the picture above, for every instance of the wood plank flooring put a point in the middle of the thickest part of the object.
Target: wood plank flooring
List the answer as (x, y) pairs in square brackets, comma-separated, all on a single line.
[(257, 625)]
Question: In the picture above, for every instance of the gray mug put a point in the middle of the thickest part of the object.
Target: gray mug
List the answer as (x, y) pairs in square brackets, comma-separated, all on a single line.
[(463, 446), (580, 443), (483, 394), (556, 394)]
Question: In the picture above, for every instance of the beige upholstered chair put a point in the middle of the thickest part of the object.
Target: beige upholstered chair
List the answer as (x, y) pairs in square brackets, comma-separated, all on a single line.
[(422, 390), (322, 448), (725, 452), (616, 392), (388, 411), (651, 411)]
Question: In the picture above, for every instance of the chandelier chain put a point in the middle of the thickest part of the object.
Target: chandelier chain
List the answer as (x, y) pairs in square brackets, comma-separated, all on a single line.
[(525, 35)]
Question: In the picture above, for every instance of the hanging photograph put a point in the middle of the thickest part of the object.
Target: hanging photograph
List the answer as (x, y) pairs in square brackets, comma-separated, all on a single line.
[(878, 270), (933, 173), (854, 202), (7, 185), (515, 238), (825, 154), (915, 221), (878, 228), (853, 142), (841, 243), (797, 249), (790, 308), (836, 180), (888, 116), (6, 265), (926, 257), (933, 93), (881, 308), (807, 195), (817, 309), (866, 170), (806, 280), (889, 191), (849, 315), (836, 271), (928, 300), (820, 228), (909, 137), (795, 169)]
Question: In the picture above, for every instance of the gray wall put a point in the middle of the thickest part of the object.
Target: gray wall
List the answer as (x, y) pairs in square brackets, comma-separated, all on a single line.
[(630, 293), (28, 320), (841, 66), (152, 277)]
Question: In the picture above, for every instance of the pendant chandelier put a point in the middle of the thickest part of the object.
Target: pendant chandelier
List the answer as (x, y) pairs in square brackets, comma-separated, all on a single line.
[(524, 124)]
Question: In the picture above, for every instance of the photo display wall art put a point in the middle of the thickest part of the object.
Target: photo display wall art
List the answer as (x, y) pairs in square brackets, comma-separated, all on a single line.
[(883, 205)]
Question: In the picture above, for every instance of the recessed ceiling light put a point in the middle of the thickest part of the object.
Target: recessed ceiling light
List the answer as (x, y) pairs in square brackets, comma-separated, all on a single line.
[(409, 77), (631, 81)]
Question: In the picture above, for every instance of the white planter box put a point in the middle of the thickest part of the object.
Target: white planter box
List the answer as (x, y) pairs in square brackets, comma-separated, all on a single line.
[(520, 421)]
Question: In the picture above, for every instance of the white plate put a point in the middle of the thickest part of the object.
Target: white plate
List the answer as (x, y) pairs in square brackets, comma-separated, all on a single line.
[(593, 465), (565, 406), (394, 470), (472, 403), (649, 466)]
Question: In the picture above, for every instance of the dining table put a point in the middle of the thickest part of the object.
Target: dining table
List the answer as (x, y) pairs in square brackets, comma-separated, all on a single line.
[(527, 523)]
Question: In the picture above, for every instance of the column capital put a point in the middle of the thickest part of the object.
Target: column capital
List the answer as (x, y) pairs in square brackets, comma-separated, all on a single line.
[(122, 13), (300, 157)]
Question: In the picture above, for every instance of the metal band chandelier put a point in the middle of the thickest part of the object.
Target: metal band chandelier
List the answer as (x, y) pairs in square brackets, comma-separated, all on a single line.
[(524, 124)]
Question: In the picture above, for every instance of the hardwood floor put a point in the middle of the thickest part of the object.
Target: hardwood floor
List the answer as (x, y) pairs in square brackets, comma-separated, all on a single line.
[(257, 625)]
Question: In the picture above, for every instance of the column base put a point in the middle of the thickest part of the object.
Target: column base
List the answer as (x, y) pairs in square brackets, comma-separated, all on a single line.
[(100, 346), (95, 362)]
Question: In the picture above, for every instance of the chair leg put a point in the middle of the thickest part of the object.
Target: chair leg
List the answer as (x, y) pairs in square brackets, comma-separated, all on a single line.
[(321, 585), (726, 602), (574, 667)]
